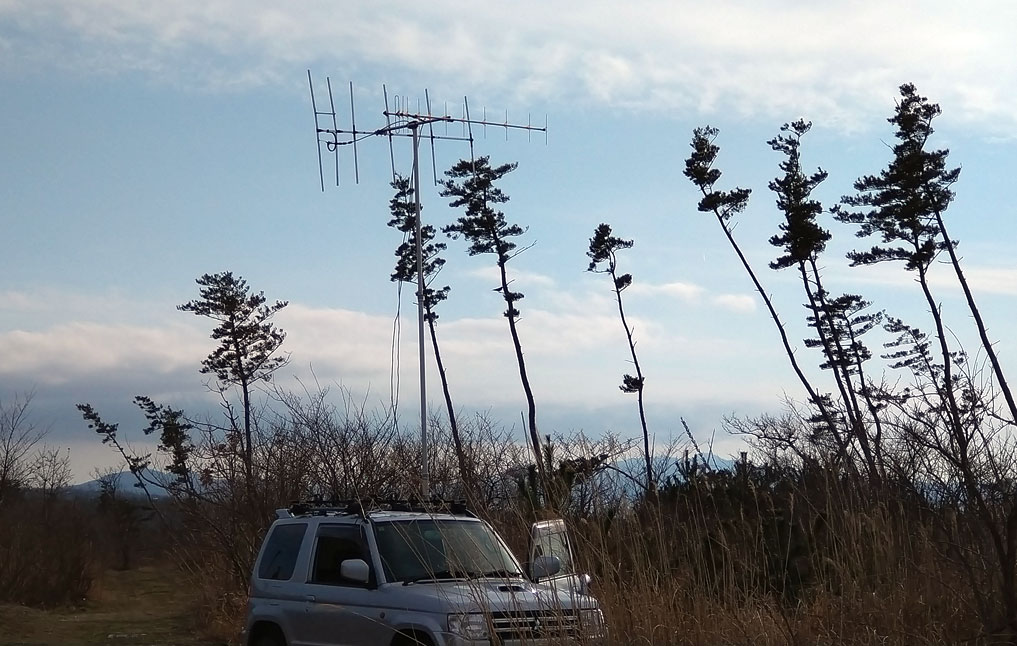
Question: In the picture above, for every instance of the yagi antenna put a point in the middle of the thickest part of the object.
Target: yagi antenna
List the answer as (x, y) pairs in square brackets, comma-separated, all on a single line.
[(402, 120)]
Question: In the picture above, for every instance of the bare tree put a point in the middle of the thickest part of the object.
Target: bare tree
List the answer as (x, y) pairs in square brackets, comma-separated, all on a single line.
[(51, 470), (18, 438)]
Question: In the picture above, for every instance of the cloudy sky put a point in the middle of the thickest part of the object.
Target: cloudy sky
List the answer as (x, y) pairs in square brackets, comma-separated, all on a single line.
[(144, 144)]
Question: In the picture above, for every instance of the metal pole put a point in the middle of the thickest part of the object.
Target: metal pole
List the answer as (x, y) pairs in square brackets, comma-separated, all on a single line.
[(424, 469)]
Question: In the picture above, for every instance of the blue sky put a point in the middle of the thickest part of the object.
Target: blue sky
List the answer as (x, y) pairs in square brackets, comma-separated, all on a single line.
[(145, 144)]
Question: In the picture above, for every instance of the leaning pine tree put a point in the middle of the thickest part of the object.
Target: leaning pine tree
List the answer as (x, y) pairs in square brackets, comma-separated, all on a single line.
[(249, 342), (946, 412), (802, 240), (603, 259), (403, 209), (471, 185), (724, 205)]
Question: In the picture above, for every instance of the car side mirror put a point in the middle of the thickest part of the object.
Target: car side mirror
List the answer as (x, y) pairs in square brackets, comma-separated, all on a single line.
[(544, 566), (355, 570), (583, 584)]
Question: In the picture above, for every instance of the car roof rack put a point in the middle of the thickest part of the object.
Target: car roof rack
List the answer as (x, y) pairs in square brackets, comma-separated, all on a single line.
[(317, 506)]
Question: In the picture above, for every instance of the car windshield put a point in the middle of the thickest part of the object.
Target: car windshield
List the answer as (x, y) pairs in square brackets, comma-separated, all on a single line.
[(428, 549)]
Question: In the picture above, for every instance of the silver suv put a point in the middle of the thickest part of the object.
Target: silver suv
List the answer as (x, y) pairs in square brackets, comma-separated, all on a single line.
[(403, 574)]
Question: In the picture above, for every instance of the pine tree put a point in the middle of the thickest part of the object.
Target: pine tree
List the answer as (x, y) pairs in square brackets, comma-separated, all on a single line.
[(603, 259), (699, 168), (403, 210), (471, 185), (248, 340)]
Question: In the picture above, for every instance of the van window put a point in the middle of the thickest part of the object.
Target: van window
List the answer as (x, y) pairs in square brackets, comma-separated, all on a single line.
[(337, 543), (281, 551)]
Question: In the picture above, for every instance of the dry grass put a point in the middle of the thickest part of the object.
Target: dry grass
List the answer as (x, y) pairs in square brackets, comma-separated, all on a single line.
[(148, 605)]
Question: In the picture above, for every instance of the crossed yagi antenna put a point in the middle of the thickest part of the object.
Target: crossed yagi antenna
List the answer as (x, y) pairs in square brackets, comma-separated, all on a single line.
[(404, 117)]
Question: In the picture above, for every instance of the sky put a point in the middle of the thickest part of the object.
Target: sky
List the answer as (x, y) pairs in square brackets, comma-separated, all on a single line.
[(145, 144)]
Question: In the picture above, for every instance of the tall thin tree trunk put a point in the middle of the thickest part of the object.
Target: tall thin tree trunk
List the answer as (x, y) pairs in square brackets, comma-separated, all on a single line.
[(465, 473), (813, 395), (531, 406), (983, 334), (650, 486), (835, 354)]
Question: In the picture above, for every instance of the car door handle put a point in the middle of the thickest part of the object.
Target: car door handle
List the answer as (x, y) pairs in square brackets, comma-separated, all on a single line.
[(309, 597)]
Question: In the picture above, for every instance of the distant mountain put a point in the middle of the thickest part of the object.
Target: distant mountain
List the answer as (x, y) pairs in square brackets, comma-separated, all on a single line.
[(128, 485)]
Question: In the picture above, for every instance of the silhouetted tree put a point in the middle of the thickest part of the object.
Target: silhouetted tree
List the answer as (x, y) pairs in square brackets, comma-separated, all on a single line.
[(802, 240), (18, 438), (174, 431), (603, 259), (248, 340), (403, 208), (136, 463), (471, 185), (724, 205), (904, 205)]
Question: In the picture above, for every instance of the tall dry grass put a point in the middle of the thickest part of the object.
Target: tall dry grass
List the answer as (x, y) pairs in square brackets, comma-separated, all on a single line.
[(771, 552)]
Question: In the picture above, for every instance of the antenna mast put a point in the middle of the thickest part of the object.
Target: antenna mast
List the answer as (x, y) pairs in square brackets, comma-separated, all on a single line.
[(403, 122)]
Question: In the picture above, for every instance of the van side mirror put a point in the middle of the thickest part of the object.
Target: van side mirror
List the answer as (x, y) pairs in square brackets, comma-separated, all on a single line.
[(544, 566), (355, 570)]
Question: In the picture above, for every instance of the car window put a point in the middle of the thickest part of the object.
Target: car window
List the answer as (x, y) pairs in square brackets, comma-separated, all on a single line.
[(280, 555), (555, 544), (411, 550), (335, 544)]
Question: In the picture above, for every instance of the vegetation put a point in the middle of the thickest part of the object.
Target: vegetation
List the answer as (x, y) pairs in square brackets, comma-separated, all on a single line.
[(403, 209), (603, 253), (881, 509), (472, 186)]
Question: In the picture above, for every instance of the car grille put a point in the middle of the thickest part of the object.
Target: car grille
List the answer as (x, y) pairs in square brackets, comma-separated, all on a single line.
[(534, 624)]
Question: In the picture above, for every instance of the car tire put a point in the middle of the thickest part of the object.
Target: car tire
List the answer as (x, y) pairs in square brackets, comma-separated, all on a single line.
[(268, 636)]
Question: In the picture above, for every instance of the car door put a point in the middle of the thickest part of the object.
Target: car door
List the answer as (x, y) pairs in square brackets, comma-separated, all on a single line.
[(339, 611), (551, 538)]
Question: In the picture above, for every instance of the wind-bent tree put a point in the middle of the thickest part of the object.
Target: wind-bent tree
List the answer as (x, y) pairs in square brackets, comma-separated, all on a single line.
[(802, 240), (248, 340), (900, 205), (603, 260), (471, 185), (904, 205), (914, 121), (403, 209), (724, 205)]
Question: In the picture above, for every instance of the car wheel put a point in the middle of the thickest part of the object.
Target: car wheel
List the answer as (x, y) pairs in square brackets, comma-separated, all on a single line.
[(268, 636)]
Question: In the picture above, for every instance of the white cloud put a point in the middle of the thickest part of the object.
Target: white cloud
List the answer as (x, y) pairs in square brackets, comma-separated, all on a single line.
[(681, 291), (989, 280), (75, 350), (981, 279), (836, 62), (519, 277), (735, 302)]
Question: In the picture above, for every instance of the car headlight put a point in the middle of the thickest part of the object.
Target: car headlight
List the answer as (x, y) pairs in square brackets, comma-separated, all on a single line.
[(470, 626), (592, 621)]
